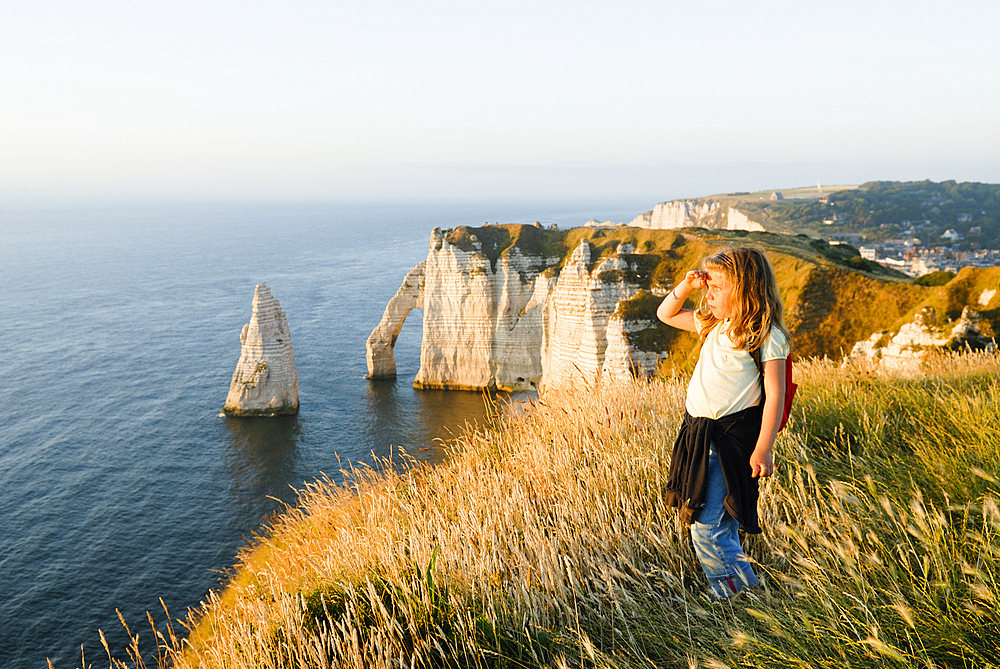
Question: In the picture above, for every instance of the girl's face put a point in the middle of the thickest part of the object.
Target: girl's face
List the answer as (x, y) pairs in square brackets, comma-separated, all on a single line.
[(719, 294)]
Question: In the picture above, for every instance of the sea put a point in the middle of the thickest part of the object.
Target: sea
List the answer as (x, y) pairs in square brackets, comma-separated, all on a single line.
[(121, 485)]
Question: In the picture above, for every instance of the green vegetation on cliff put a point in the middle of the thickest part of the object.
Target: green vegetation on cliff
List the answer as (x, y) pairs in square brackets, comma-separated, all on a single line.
[(544, 541), (496, 241)]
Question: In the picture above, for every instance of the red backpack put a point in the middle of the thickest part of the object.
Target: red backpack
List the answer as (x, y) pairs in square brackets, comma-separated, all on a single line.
[(790, 387)]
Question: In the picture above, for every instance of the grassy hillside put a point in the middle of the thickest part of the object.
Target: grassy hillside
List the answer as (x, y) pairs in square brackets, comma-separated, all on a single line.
[(544, 541)]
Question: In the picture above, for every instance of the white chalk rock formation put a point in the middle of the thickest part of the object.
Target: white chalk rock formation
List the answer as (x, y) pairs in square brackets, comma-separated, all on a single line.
[(381, 362), (578, 313), (905, 351), (967, 333), (737, 220), (624, 360), (677, 214), (513, 321), (265, 382), (695, 214), (482, 318)]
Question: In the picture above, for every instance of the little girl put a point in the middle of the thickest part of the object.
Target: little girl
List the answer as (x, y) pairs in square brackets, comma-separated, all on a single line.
[(730, 425)]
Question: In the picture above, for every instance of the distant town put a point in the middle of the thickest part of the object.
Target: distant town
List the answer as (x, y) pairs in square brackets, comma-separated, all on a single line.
[(906, 256), (915, 228), (911, 255)]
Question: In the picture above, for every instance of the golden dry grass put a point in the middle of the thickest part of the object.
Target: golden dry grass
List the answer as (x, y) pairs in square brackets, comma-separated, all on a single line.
[(544, 541)]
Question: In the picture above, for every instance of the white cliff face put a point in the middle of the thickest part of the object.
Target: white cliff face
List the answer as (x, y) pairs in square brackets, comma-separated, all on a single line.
[(580, 307), (676, 214), (695, 213), (265, 382), (621, 359), (520, 322), (482, 320), (737, 220), (968, 332), (381, 362), (905, 351), (512, 324)]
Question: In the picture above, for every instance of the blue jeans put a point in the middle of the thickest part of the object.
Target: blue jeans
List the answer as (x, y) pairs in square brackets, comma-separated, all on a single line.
[(716, 537)]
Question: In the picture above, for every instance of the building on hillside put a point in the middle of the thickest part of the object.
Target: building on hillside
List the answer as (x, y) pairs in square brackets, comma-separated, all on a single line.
[(776, 195), (921, 266), (897, 264), (953, 235), (868, 252), (852, 238), (912, 227)]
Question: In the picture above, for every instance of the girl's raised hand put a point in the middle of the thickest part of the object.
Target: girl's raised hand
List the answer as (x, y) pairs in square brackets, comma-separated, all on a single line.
[(671, 310), (696, 279)]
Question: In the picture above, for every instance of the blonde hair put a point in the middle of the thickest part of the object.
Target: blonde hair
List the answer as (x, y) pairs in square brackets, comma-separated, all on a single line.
[(755, 300)]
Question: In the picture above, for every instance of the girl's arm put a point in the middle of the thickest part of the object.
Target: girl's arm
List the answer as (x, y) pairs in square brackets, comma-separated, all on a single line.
[(762, 459), (671, 309)]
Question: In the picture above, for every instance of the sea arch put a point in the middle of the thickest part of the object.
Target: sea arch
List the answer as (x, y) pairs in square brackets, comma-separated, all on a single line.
[(381, 361)]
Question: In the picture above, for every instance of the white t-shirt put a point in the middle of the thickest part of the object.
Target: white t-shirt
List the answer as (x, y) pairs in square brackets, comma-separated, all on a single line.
[(726, 379)]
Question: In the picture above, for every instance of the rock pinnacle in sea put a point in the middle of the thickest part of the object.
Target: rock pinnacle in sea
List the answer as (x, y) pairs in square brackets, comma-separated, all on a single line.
[(265, 382)]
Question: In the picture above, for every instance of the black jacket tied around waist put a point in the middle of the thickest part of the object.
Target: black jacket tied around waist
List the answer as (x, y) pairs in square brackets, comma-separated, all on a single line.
[(735, 437)]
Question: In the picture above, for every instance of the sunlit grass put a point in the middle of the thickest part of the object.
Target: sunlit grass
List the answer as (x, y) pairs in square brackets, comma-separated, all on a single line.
[(544, 541)]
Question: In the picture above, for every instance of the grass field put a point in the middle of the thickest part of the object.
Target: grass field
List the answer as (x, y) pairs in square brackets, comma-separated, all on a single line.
[(544, 541)]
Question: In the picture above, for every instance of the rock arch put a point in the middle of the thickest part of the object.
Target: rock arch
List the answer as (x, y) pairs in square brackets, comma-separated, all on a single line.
[(381, 361)]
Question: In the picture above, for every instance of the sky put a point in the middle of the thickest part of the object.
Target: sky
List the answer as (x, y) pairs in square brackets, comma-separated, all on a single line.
[(314, 101)]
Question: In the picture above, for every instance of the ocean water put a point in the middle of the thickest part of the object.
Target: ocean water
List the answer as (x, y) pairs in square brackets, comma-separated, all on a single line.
[(121, 484)]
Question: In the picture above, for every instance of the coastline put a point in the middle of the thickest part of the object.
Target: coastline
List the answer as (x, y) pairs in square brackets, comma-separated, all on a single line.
[(123, 484)]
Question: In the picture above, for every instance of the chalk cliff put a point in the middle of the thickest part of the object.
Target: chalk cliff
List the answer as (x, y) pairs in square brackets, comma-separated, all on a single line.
[(265, 382), (737, 220), (381, 363), (906, 350), (482, 320), (501, 312), (703, 213), (625, 356), (578, 318), (677, 214)]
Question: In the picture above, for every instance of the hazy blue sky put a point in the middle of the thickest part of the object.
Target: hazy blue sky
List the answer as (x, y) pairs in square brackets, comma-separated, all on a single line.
[(503, 99)]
